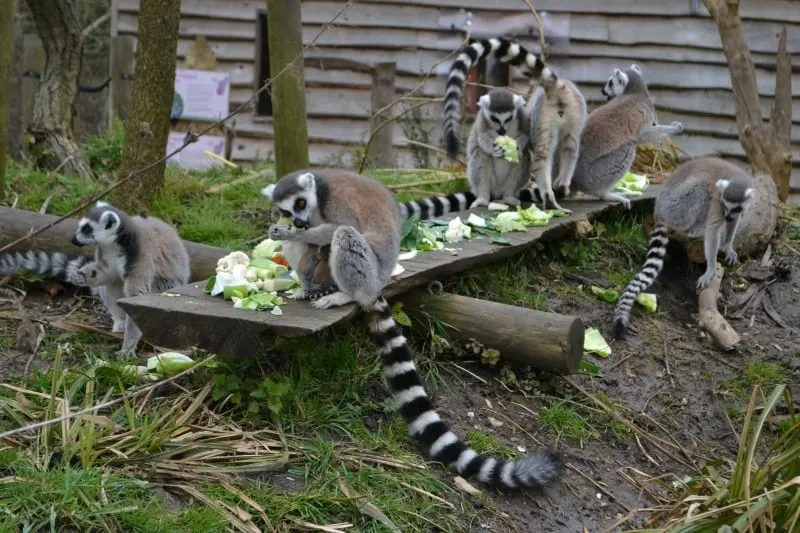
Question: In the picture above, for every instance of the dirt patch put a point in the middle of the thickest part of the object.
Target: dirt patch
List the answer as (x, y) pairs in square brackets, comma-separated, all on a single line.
[(666, 376)]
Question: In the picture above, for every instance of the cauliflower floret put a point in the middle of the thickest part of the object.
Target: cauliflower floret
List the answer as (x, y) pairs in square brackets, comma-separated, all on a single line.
[(226, 264)]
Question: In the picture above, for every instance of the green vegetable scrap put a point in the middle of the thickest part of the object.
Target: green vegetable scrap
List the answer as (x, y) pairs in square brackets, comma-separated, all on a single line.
[(632, 184), (594, 343), (169, 363), (609, 295), (647, 300), (509, 147)]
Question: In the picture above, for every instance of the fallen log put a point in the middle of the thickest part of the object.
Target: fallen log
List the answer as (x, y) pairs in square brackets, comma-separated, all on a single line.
[(546, 341), (709, 317), (16, 223)]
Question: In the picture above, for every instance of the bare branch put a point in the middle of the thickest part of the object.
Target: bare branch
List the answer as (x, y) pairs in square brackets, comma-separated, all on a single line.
[(780, 116), (542, 39), (190, 138), (94, 25)]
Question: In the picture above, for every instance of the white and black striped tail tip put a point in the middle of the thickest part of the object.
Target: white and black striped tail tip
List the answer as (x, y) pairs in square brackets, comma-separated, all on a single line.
[(427, 428), (56, 265), (436, 206)]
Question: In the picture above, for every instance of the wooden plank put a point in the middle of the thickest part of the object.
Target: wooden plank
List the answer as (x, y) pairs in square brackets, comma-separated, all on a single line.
[(774, 10), (196, 319)]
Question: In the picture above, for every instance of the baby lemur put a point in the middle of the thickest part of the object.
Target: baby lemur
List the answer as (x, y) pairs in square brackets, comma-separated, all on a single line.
[(136, 255), (359, 219), (612, 133), (703, 197)]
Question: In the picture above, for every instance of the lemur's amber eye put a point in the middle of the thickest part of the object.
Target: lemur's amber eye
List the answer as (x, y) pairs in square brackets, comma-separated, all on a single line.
[(300, 204)]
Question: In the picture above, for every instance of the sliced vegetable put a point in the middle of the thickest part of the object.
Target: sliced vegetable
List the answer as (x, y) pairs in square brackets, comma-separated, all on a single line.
[(509, 147), (169, 363), (609, 295), (593, 342), (647, 300)]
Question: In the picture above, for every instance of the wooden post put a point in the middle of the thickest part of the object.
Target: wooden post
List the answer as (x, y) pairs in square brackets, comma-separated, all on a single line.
[(545, 341), (285, 36), (33, 60), (383, 94), (15, 98), (122, 63), (6, 49)]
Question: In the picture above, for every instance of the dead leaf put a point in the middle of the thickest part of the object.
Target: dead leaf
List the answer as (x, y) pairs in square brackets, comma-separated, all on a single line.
[(30, 335), (464, 485), (53, 288), (366, 507)]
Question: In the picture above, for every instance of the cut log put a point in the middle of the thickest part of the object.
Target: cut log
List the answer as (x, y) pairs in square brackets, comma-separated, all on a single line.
[(16, 223), (546, 341), (709, 317)]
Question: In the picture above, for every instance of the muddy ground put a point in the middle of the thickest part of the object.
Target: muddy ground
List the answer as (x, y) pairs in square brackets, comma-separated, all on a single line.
[(666, 371)]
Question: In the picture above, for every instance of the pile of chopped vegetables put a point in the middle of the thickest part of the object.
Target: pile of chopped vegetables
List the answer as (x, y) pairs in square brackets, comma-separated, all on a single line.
[(254, 283), (435, 234)]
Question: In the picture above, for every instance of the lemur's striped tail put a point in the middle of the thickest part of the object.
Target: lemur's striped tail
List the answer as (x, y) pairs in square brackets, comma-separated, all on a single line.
[(436, 206), (425, 426), (653, 263), (53, 265), (499, 48)]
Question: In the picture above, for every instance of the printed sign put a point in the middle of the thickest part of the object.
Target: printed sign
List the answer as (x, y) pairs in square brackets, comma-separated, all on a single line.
[(193, 157), (201, 95)]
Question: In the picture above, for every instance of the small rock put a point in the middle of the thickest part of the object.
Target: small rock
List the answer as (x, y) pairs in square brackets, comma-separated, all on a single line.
[(494, 422)]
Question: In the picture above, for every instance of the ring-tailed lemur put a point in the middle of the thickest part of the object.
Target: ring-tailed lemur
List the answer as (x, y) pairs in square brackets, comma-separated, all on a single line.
[(703, 197), (138, 255), (617, 83), (490, 176), (360, 220), (611, 135)]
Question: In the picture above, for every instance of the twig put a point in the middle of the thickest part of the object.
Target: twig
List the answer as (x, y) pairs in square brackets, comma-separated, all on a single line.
[(47, 201), (400, 99), (124, 397), (600, 487), (542, 41), (95, 24), (239, 181), (190, 138), (434, 148), (666, 364)]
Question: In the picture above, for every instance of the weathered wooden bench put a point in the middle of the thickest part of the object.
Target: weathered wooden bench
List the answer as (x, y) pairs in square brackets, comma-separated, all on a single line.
[(193, 318)]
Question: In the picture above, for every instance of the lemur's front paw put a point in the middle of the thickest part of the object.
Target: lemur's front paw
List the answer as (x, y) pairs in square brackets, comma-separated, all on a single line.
[(510, 200), (677, 127), (704, 280), (731, 257), (479, 202), (280, 232), (497, 150)]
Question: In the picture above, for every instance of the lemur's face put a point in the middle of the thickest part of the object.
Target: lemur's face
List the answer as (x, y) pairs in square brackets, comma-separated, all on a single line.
[(499, 109), (295, 197), (99, 227), (736, 198)]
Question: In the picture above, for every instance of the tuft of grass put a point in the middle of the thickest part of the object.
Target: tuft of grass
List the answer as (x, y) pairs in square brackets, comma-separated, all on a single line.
[(484, 442), (567, 422), (758, 491)]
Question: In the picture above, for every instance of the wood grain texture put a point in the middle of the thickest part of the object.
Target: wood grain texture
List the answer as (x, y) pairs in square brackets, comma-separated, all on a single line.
[(558, 346), (197, 319)]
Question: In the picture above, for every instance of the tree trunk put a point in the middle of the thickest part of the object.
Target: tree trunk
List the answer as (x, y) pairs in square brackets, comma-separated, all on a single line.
[(285, 36), (7, 10), (767, 146), (147, 126), (58, 24), (15, 86)]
